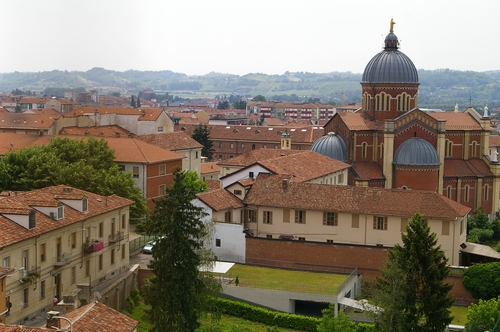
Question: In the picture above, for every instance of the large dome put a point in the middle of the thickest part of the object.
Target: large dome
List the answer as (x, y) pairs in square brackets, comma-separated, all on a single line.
[(330, 145), (416, 151), (390, 65)]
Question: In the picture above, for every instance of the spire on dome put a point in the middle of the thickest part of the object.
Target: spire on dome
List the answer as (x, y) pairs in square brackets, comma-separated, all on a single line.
[(392, 26), (391, 41)]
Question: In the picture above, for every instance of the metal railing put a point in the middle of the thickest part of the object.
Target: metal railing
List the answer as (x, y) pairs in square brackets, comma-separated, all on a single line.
[(64, 259), (116, 237)]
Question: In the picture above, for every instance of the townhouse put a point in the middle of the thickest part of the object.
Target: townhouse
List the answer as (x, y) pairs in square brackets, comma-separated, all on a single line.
[(59, 242)]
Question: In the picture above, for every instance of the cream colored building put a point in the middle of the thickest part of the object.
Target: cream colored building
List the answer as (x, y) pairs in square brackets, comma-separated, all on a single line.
[(61, 243)]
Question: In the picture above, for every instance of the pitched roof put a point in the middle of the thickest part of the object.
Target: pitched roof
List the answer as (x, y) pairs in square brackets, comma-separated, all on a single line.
[(28, 121), (213, 184), (279, 191), (20, 202), (253, 156), (99, 131), (220, 199), (135, 150), (368, 170), (304, 166), (359, 121), (172, 141), (494, 140), (257, 133), (144, 114), (97, 316), (457, 121), (209, 167), (14, 142), (471, 167)]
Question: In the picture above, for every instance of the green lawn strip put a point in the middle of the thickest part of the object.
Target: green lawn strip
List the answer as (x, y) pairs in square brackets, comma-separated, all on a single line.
[(459, 315), (139, 314), (236, 324), (287, 280)]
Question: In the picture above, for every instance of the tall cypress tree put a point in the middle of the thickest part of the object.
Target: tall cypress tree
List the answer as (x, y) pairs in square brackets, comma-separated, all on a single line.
[(421, 296), (179, 292), (132, 102), (201, 134)]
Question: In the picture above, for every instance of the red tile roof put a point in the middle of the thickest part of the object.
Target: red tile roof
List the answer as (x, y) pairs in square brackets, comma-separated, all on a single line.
[(457, 121), (14, 142), (220, 199), (271, 190), (27, 121), (100, 131), (253, 156), (359, 121), (494, 140), (209, 167), (172, 141), (50, 196), (471, 167), (144, 114), (213, 184), (368, 170), (135, 150)]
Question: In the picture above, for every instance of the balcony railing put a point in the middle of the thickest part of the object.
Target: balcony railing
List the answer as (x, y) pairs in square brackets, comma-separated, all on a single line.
[(63, 259), (117, 237), (31, 275), (93, 246)]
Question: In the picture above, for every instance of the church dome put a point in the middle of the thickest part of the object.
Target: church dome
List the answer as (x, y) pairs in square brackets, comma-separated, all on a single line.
[(330, 145), (416, 151), (390, 65)]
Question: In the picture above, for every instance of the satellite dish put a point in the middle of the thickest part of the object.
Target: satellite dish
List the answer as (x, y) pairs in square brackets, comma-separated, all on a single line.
[(97, 296)]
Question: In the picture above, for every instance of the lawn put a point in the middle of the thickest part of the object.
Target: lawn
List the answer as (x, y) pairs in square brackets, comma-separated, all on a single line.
[(459, 315), (287, 280)]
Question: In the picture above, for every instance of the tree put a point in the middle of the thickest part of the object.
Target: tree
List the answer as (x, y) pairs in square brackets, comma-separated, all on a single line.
[(138, 103), (330, 323), (132, 102), (84, 164), (482, 316), (421, 294), (201, 134), (223, 105), (259, 98), (178, 292), (240, 105), (482, 280)]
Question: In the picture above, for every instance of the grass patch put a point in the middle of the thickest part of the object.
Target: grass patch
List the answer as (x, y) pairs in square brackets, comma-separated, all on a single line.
[(459, 315), (286, 280), (235, 324), (140, 315)]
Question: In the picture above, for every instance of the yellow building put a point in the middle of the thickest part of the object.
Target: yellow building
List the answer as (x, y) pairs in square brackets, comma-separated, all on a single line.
[(61, 242)]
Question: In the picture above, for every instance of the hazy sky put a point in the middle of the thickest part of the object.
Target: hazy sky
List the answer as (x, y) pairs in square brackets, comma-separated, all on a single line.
[(241, 36)]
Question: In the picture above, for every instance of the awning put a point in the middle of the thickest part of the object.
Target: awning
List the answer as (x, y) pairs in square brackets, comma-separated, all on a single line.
[(479, 249), (218, 267), (360, 305)]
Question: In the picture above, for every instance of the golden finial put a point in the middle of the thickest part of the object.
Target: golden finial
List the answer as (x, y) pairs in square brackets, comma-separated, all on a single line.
[(392, 25)]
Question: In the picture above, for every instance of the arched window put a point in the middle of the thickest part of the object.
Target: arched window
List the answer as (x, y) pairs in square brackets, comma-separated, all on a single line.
[(466, 193), (382, 102), (366, 101), (486, 191), (473, 149), (448, 191), (364, 146), (448, 148), (403, 102), (381, 150)]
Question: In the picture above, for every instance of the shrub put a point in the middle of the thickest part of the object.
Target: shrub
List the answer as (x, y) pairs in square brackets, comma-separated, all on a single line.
[(483, 280), (481, 234)]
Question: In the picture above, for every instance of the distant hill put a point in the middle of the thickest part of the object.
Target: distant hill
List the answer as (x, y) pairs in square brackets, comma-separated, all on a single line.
[(438, 89)]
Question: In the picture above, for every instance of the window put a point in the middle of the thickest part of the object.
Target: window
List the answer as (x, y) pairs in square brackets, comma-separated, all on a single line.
[(269, 236), (302, 238), (196, 154), (112, 256), (286, 215), (381, 150), (267, 217), (242, 146), (448, 148), (486, 191), (87, 268), (264, 146), (220, 157), (220, 145), (461, 226), (466, 193), (330, 218), (298, 147), (448, 191), (253, 146), (446, 227), (73, 240), (124, 221), (123, 251), (382, 102), (25, 260), (135, 171), (329, 241), (42, 289), (73, 275), (113, 227), (404, 222), (250, 174), (231, 146), (101, 229), (25, 298), (162, 169), (32, 220), (227, 216), (364, 147), (341, 178), (355, 221), (6, 261), (159, 129), (162, 190), (403, 102), (276, 147), (237, 192), (300, 216), (85, 204), (100, 262), (249, 215), (42, 252), (473, 148), (380, 223), (217, 242), (122, 167), (60, 212)]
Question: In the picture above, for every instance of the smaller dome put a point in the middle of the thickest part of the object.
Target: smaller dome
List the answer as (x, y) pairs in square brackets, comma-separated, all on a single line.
[(416, 151), (330, 145)]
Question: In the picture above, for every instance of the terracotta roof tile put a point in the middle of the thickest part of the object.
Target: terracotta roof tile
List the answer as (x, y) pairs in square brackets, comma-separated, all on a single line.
[(14, 142), (213, 184), (358, 121), (209, 167), (457, 121), (144, 114), (220, 199), (100, 131), (470, 168), (271, 190), (27, 121), (172, 141), (135, 150), (494, 140), (251, 157), (368, 170)]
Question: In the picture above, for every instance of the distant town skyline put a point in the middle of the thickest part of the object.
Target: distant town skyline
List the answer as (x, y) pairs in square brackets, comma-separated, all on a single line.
[(271, 37)]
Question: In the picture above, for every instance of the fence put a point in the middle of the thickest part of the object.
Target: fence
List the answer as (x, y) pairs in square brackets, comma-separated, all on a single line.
[(140, 241)]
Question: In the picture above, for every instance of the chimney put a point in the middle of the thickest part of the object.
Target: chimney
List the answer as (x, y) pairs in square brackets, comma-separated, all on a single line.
[(51, 321), (284, 184)]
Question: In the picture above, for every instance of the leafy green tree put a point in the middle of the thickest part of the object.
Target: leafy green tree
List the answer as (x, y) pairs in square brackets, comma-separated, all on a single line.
[(259, 98), (179, 292), (138, 103), (422, 295), (482, 317), (330, 323), (84, 164), (201, 134), (240, 105), (483, 280), (132, 102), (223, 105)]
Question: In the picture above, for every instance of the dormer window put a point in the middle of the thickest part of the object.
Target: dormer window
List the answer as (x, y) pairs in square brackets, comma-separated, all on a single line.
[(60, 212), (85, 205), (32, 220)]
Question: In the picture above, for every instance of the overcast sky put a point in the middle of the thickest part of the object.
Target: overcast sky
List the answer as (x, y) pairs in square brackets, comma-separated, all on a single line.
[(196, 37)]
